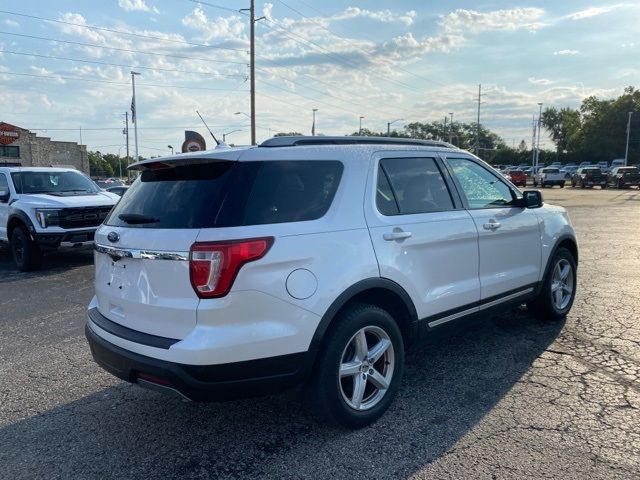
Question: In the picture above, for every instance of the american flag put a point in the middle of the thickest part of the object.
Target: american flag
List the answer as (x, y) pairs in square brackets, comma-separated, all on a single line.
[(133, 109)]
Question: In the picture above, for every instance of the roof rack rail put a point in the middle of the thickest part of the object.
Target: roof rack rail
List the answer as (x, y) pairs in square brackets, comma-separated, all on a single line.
[(297, 141)]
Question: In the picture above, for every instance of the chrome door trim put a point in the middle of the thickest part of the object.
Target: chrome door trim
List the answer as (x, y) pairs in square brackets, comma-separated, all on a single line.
[(478, 308), (118, 253)]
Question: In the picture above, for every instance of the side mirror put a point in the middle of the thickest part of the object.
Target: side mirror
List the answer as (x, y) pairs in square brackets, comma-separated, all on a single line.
[(4, 195), (532, 199)]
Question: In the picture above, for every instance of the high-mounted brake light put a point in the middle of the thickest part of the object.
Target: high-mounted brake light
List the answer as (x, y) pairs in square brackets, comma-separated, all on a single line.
[(213, 266)]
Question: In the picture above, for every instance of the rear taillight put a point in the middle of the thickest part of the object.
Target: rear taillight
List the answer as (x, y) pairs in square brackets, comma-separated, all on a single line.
[(213, 266)]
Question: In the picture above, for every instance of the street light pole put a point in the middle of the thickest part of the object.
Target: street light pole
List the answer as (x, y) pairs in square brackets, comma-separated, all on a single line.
[(313, 125), (391, 123), (360, 130), (451, 128), (626, 150), (134, 113), (171, 147)]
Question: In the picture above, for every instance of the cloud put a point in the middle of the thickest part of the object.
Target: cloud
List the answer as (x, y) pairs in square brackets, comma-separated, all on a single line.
[(229, 29), (591, 12), (10, 23), (385, 16), (513, 19), (136, 5), (540, 81), (567, 52)]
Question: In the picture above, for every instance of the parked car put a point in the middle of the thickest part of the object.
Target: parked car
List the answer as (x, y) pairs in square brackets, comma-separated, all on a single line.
[(618, 162), (624, 177), (589, 177), (548, 177), (46, 208), (118, 190), (517, 177), (568, 171), (586, 164), (314, 260)]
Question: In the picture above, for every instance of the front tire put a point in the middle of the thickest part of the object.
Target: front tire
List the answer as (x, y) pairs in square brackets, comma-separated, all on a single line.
[(359, 368), (26, 254), (559, 288)]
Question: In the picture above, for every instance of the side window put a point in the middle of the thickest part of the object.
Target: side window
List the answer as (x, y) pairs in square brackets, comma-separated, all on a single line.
[(482, 188), (4, 185), (411, 185)]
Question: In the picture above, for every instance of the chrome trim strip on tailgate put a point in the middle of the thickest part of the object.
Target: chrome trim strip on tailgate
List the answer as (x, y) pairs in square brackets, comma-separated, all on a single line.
[(117, 253)]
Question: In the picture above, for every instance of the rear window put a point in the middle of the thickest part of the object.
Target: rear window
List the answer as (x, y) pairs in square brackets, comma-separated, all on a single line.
[(229, 194), (551, 170), (590, 170)]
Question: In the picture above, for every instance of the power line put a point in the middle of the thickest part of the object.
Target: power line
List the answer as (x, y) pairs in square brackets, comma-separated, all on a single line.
[(122, 32), (28, 54), (83, 79), (121, 49), (213, 5)]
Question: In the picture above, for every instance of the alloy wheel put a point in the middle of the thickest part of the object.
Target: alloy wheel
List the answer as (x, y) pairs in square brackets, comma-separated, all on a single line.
[(366, 368), (562, 284)]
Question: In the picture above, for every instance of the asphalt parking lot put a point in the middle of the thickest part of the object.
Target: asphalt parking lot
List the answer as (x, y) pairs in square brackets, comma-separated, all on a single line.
[(510, 397)]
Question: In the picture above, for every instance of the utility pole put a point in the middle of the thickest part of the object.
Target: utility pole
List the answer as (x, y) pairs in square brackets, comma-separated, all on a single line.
[(126, 134), (533, 142), (313, 125), (451, 128), (539, 129), (478, 124), (626, 150), (134, 113), (252, 54), (360, 129), (444, 128)]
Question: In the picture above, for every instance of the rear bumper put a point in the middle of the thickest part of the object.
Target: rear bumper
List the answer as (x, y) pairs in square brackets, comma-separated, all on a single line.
[(201, 383)]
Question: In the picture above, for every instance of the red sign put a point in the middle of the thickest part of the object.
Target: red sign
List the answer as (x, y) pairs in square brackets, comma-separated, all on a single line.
[(8, 134)]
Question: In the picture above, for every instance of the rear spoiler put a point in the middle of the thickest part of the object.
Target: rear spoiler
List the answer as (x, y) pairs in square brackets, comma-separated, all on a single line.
[(207, 156)]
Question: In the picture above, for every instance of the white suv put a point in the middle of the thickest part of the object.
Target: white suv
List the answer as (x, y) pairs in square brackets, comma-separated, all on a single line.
[(47, 208), (314, 260)]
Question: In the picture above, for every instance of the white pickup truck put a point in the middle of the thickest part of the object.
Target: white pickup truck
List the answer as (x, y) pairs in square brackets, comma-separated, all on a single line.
[(548, 177), (46, 208)]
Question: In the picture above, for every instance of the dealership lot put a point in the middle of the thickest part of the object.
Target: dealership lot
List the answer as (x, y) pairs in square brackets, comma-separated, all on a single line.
[(507, 398)]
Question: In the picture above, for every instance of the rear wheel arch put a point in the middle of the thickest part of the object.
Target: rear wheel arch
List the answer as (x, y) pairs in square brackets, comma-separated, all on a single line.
[(380, 292)]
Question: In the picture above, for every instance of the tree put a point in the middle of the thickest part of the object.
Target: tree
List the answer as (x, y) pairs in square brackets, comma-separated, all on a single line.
[(564, 127), (288, 134)]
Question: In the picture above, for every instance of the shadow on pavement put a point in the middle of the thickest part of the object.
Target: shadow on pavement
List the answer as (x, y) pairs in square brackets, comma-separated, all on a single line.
[(52, 263), (124, 431)]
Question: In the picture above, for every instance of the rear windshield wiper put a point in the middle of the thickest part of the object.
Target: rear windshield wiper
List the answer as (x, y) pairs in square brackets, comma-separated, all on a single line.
[(136, 218)]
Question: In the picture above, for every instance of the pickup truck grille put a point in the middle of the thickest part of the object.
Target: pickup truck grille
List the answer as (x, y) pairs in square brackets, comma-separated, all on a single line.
[(83, 217)]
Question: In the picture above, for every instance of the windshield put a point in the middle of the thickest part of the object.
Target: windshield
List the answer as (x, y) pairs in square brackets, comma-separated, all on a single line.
[(591, 170), (52, 182)]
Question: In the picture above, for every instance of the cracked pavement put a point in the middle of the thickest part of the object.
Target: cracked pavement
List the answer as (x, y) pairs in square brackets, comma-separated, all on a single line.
[(507, 398)]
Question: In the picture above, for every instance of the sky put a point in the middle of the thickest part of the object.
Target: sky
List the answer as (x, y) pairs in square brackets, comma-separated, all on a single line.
[(65, 65)]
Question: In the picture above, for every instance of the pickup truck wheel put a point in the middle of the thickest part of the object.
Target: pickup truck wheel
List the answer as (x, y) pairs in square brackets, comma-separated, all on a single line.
[(559, 288), (573, 184), (359, 368), (562, 185), (603, 186), (26, 254)]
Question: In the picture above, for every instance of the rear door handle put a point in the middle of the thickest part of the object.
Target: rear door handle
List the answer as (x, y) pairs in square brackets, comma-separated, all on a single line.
[(396, 235), (492, 225)]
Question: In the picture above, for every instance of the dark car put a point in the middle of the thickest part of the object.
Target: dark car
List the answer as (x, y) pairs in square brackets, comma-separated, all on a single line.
[(119, 190), (589, 177), (518, 177), (624, 177)]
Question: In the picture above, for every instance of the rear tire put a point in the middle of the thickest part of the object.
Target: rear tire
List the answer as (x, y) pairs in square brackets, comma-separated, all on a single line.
[(559, 288), (353, 383), (26, 254)]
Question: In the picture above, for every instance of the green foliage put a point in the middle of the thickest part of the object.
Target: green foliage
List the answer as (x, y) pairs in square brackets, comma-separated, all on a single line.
[(107, 165), (597, 131), (288, 134)]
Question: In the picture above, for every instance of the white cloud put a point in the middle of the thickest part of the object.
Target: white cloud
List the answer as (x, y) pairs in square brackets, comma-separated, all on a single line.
[(221, 28), (385, 16), (540, 81), (591, 12), (566, 52), (513, 19), (136, 5), (11, 23)]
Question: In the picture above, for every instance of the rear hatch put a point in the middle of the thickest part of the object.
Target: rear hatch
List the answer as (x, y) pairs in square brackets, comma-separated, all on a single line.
[(142, 250)]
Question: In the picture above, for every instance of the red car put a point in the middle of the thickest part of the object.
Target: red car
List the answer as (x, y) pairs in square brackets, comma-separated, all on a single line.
[(517, 177)]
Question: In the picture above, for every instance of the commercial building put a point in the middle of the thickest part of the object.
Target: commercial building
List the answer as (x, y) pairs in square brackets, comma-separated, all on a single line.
[(25, 147)]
